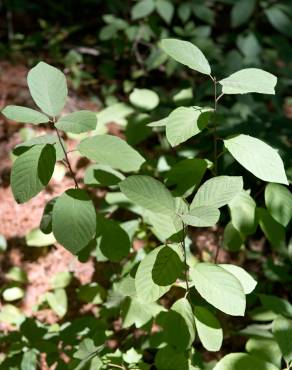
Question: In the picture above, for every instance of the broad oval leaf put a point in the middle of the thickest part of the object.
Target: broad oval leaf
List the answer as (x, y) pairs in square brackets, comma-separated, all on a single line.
[(77, 122), (32, 171), (243, 213), (23, 114), (113, 241), (186, 175), (178, 325), (186, 53), (243, 361), (259, 158), (201, 216), (219, 288), (168, 358), (74, 220), (208, 328), (249, 80), (148, 193), (282, 330), (278, 200), (102, 175), (168, 266), (273, 231), (48, 88), (185, 122), (147, 290), (246, 280), (232, 239), (165, 9), (265, 348), (58, 301), (43, 139), (142, 8), (217, 191), (144, 99), (112, 151)]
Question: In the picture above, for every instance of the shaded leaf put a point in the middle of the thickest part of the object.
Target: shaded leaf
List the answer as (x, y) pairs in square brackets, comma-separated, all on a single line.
[(74, 220), (32, 171)]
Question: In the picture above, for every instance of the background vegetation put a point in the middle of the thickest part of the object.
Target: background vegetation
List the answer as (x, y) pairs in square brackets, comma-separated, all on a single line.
[(49, 300)]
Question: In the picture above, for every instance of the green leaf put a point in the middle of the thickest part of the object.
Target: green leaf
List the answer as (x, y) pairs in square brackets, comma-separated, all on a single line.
[(48, 88), (217, 191), (243, 213), (147, 290), (278, 305), (148, 193), (165, 9), (185, 122), (104, 149), (142, 9), (186, 175), (242, 361), (117, 112), (232, 240), (102, 175), (282, 330), (113, 241), (11, 315), (273, 231), (167, 358), (246, 280), (219, 288), (77, 122), (144, 99), (46, 221), (32, 171), (168, 266), (39, 140), (58, 301), (266, 349), (201, 216), (132, 356), (186, 53), (61, 280), (23, 114), (259, 158), (74, 220), (13, 294), (137, 312), (36, 238), (279, 20), (16, 274), (29, 360), (249, 80), (208, 328), (178, 325), (241, 12), (278, 201)]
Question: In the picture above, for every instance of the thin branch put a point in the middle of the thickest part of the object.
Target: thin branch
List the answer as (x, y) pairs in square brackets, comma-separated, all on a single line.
[(183, 244), (219, 97), (215, 126), (117, 366), (66, 157)]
